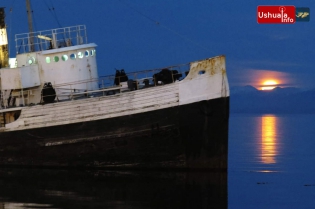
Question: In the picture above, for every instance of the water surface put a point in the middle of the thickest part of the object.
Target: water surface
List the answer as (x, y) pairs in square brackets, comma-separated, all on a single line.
[(271, 165), (35, 188), (271, 161)]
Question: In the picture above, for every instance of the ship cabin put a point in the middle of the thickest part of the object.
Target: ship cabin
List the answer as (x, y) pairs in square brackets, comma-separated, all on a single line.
[(46, 59), (60, 65)]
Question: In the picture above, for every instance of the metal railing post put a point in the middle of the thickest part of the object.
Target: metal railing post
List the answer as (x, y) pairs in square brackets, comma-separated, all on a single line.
[(103, 86), (71, 95)]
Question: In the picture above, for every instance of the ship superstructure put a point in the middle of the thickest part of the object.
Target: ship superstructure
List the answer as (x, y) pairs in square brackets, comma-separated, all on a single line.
[(56, 111)]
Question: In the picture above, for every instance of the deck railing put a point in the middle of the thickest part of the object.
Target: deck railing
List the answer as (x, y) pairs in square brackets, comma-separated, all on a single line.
[(50, 39), (105, 85), (117, 84)]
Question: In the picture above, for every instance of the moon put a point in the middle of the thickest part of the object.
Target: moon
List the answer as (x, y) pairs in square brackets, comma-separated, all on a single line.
[(269, 85)]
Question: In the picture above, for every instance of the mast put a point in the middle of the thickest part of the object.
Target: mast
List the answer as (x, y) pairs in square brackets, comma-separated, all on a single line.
[(30, 24), (4, 55)]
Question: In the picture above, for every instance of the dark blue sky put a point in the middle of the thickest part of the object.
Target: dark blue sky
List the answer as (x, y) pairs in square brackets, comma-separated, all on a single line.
[(128, 37)]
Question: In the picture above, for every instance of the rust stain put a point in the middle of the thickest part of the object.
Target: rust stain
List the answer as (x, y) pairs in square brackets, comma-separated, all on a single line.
[(211, 66)]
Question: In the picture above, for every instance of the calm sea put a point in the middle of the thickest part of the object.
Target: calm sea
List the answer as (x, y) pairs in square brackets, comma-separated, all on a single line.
[(271, 165), (271, 161)]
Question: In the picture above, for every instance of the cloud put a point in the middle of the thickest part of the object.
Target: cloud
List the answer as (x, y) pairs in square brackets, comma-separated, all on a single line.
[(256, 77)]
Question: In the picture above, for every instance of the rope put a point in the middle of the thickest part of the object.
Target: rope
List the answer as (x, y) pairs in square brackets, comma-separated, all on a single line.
[(53, 12), (165, 27)]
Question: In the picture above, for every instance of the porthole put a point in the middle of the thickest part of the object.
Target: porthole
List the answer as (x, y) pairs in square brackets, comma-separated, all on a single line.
[(80, 54), (31, 60), (64, 57), (47, 59), (93, 52), (73, 56), (86, 53), (201, 72), (56, 58)]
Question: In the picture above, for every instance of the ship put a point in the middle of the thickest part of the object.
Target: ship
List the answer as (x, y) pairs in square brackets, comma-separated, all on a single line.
[(57, 112)]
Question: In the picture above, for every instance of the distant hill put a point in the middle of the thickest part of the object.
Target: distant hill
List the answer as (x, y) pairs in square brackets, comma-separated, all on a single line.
[(247, 99)]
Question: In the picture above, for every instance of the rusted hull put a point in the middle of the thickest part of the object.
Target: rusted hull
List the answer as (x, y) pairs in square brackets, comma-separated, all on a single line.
[(191, 136)]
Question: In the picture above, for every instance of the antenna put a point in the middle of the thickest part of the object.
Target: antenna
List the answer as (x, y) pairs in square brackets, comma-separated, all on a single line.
[(30, 24)]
